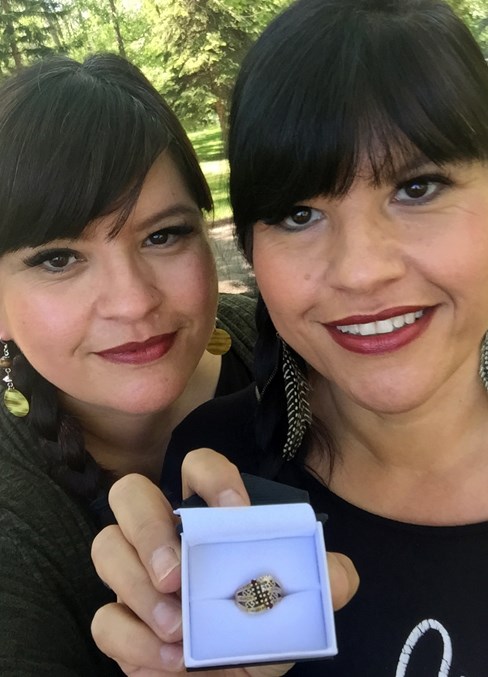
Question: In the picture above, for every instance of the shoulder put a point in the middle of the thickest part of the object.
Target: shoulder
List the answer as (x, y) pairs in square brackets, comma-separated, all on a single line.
[(225, 424), (49, 589), (39, 522), (237, 308)]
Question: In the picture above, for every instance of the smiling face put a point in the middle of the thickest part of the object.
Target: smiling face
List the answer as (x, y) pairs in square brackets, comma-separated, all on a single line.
[(118, 323), (384, 292)]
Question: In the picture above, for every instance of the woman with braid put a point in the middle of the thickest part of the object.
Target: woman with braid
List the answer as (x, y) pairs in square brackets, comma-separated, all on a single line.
[(108, 299)]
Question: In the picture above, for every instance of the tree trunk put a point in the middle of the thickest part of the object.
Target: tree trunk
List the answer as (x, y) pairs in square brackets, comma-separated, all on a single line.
[(221, 110), (116, 25)]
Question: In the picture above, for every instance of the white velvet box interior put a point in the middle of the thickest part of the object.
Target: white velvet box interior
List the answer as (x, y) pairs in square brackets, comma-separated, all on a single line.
[(223, 549)]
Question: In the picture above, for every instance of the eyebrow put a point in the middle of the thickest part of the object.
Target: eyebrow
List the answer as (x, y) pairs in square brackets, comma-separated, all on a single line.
[(180, 209), (406, 168)]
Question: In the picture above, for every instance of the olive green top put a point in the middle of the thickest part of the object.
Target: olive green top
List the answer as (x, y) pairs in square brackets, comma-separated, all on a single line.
[(49, 590)]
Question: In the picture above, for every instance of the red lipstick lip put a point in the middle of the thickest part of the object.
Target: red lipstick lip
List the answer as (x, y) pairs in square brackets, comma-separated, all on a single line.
[(381, 344), (382, 315), (139, 353)]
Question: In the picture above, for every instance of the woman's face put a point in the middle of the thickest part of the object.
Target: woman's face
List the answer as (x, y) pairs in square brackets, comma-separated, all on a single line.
[(384, 292), (120, 323)]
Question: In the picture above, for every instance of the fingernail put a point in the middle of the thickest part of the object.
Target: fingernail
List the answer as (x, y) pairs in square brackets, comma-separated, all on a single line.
[(229, 498), (163, 561), (171, 656), (168, 617)]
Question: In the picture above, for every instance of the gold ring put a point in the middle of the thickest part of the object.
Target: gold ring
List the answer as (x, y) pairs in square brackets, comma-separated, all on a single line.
[(260, 594)]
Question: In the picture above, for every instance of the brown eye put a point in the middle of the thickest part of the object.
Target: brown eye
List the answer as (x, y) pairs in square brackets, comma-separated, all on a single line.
[(160, 237), (59, 261), (53, 260), (416, 189), (302, 216), (167, 237), (422, 189)]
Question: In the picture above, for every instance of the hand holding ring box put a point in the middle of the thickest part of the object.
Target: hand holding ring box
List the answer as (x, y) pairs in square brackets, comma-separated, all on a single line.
[(236, 561)]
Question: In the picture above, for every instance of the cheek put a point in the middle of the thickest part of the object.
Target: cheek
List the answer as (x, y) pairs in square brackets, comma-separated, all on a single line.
[(194, 286), (42, 321), (286, 283)]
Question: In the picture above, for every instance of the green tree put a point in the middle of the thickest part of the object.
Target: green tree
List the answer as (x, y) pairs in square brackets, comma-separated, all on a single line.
[(29, 29), (475, 13), (200, 44)]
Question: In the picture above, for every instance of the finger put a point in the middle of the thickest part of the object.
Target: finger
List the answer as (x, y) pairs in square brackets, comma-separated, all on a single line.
[(118, 564), (127, 640), (135, 671), (214, 478), (270, 670), (146, 519), (344, 579)]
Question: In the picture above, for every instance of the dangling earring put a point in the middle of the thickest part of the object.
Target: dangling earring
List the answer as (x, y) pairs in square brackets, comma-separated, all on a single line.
[(14, 401), (483, 371), (219, 342), (297, 404)]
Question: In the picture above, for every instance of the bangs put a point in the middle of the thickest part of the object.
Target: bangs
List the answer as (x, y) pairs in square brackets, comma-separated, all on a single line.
[(77, 142), (370, 96)]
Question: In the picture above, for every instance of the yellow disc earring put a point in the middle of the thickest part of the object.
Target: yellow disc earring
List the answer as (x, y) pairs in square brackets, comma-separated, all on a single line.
[(219, 342), (15, 402)]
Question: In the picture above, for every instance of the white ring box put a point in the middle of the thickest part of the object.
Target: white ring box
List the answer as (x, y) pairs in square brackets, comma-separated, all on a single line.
[(224, 549)]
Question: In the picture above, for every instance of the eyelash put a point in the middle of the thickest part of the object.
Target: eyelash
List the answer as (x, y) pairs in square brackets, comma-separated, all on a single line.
[(42, 257), (181, 231), (442, 181), (46, 255)]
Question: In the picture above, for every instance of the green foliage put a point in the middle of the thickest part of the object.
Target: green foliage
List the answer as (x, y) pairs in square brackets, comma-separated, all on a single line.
[(475, 13), (210, 150), (190, 49), (29, 29), (200, 44)]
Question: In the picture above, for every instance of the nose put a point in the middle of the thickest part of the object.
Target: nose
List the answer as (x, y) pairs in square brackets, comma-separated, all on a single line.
[(367, 254), (128, 290)]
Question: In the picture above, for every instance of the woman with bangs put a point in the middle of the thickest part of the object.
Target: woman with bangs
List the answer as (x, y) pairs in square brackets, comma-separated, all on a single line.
[(359, 183), (108, 313)]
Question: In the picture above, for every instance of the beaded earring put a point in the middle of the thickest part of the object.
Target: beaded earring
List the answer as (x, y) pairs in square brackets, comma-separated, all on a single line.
[(15, 402), (297, 404)]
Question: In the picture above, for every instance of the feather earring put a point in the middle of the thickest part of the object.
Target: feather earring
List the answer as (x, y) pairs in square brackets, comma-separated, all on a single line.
[(297, 404), (483, 371)]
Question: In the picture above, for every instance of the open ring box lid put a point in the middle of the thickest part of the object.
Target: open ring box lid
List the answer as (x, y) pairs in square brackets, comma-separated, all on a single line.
[(223, 549)]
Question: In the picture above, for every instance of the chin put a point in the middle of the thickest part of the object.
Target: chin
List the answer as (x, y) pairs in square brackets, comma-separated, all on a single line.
[(389, 403)]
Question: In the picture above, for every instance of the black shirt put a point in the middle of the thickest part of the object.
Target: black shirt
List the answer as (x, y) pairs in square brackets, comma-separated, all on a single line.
[(422, 606)]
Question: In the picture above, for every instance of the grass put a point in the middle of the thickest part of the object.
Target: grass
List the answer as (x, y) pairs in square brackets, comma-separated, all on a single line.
[(209, 147)]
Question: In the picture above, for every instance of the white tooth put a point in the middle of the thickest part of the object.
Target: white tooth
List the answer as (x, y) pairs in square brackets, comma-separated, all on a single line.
[(418, 314), (384, 326), (409, 318), (367, 329), (349, 329), (398, 321)]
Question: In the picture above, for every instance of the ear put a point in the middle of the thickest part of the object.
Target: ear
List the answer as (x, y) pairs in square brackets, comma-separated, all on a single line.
[(5, 333)]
